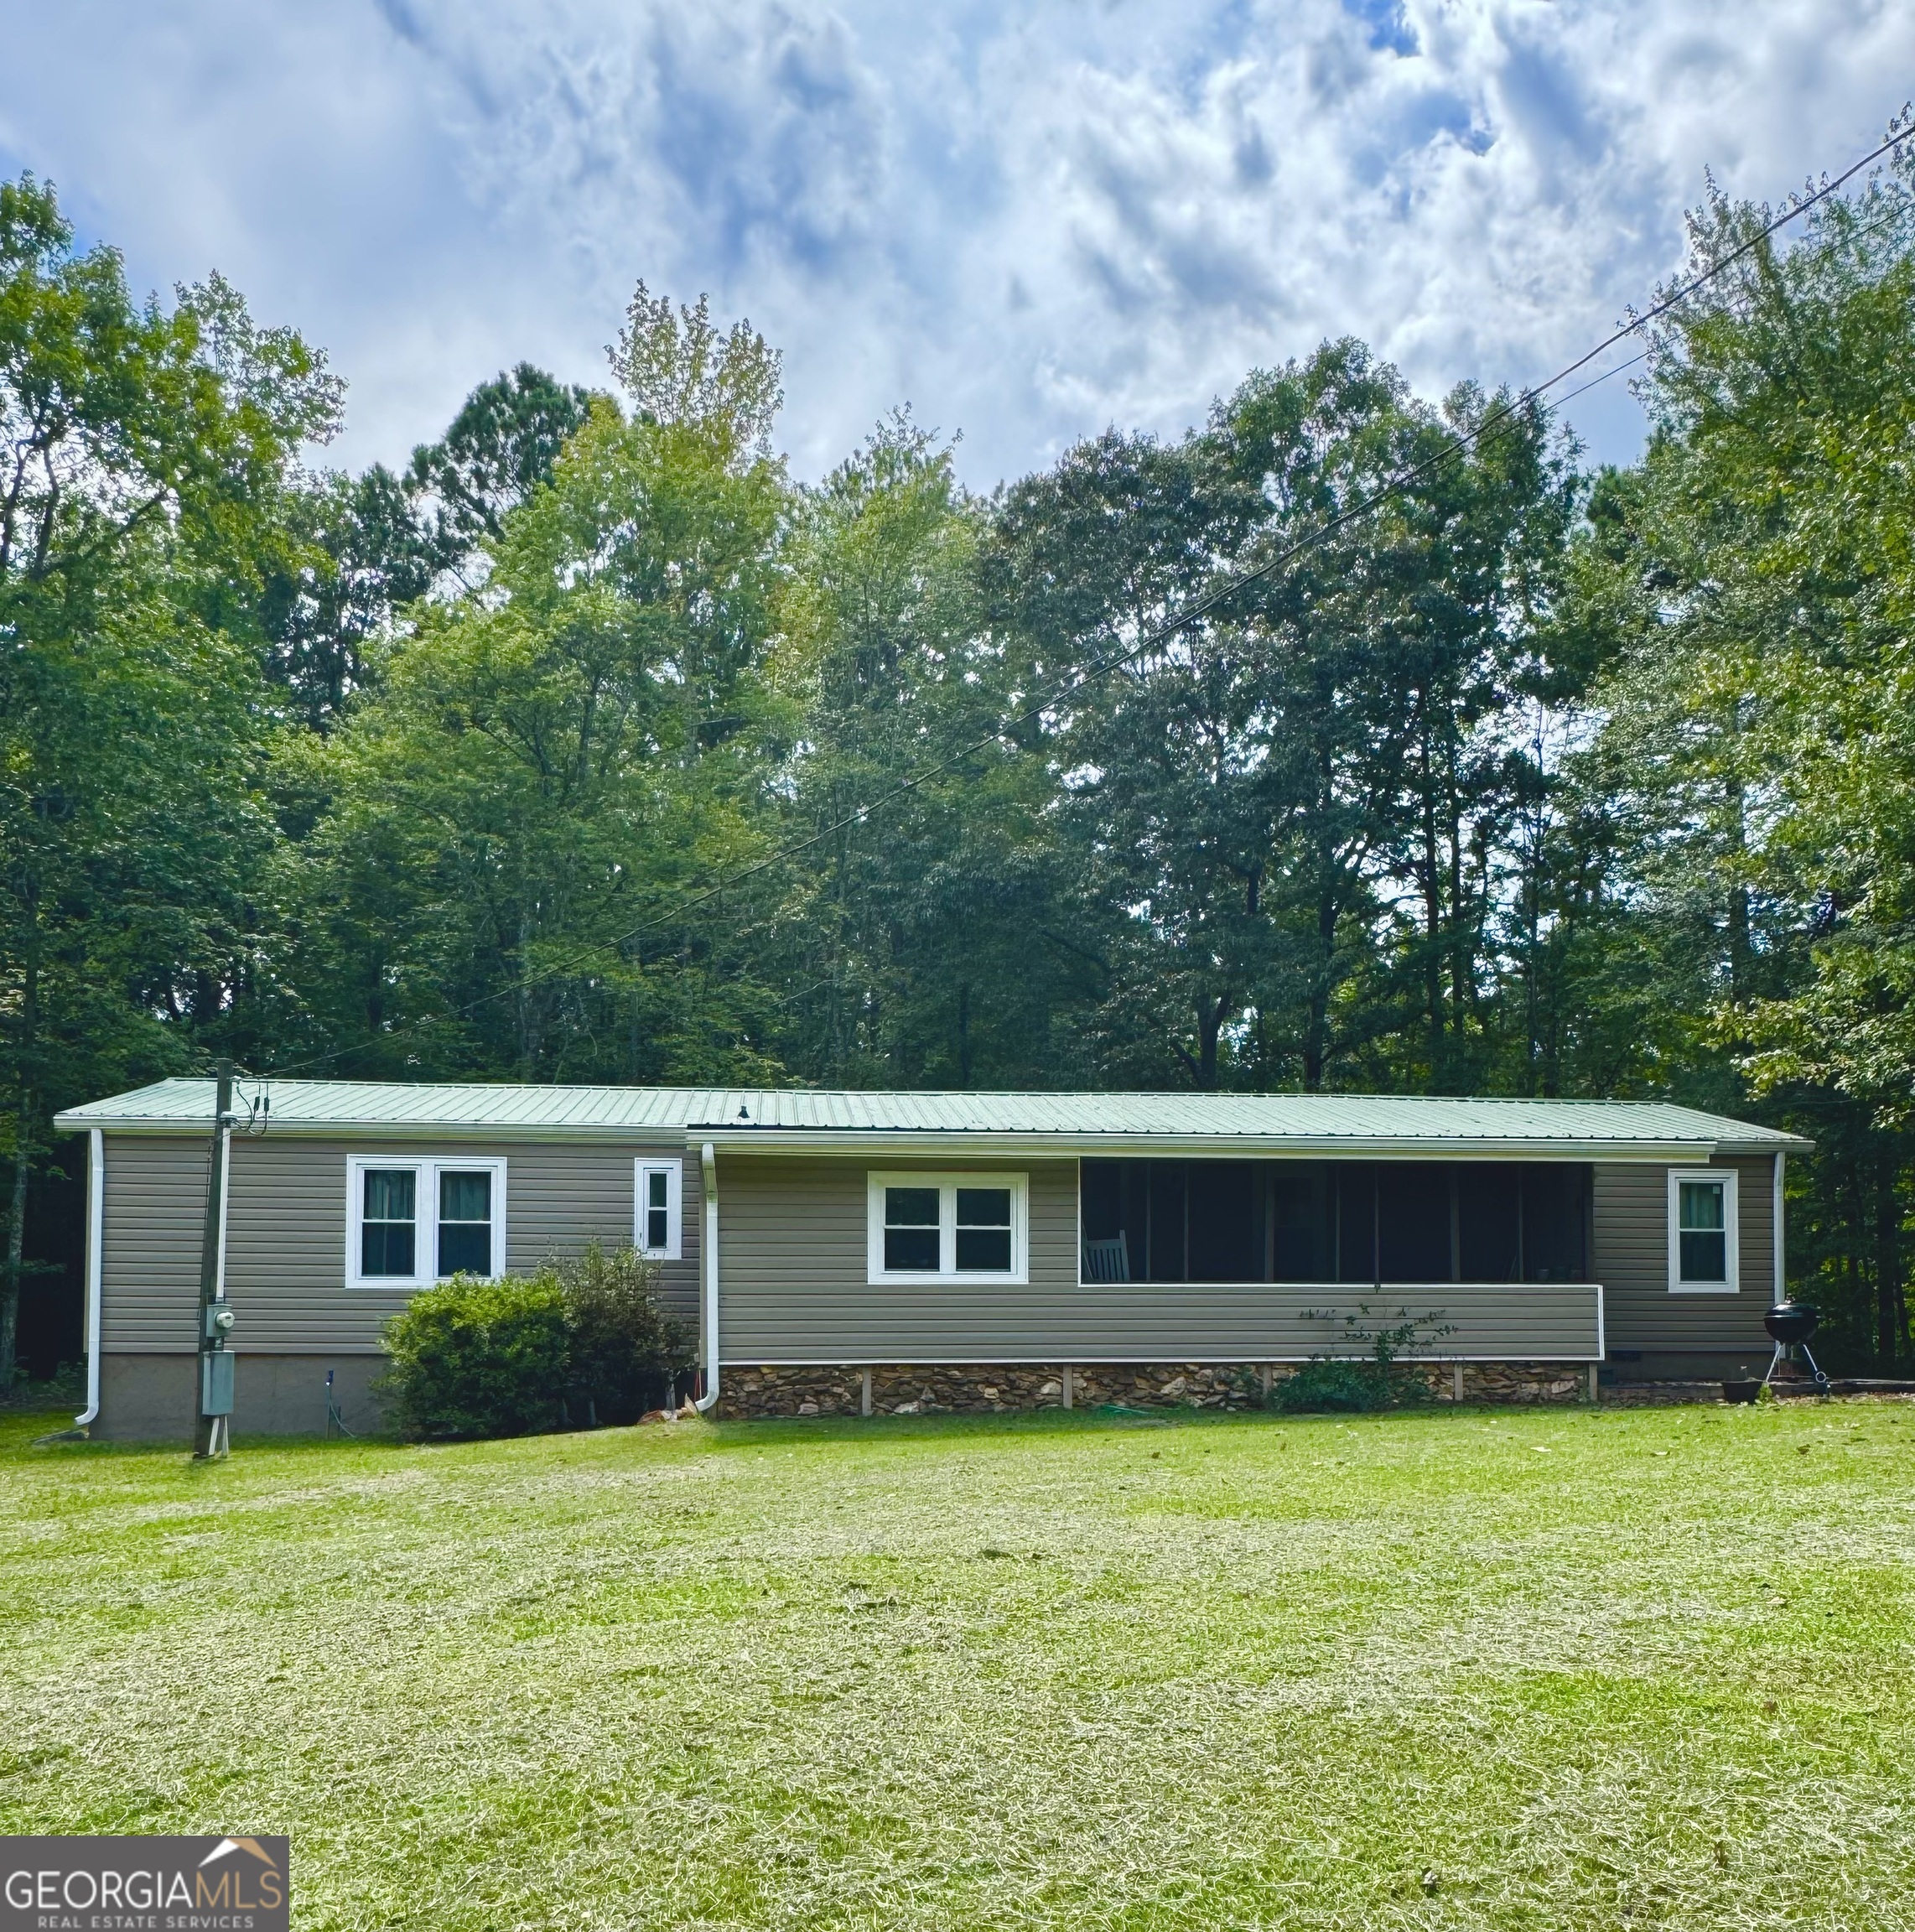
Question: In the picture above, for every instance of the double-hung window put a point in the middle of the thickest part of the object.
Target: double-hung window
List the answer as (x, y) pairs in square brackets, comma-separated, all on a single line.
[(389, 1223), (658, 1232), (412, 1222), (465, 1221), (947, 1228), (1703, 1248)]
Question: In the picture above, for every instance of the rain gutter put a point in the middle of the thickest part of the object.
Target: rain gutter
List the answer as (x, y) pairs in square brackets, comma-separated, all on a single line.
[(96, 1228), (708, 1255)]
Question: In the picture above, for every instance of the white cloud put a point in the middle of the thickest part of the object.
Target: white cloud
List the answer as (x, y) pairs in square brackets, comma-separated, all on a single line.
[(1028, 223)]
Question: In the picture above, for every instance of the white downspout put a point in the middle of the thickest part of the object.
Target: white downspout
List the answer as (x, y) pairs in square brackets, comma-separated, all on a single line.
[(96, 1229), (1781, 1274), (709, 1253)]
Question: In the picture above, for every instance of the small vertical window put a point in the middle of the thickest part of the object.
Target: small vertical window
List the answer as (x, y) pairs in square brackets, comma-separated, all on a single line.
[(657, 1233), (910, 1230), (1702, 1232), (464, 1223), (984, 1230), (388, 1228)]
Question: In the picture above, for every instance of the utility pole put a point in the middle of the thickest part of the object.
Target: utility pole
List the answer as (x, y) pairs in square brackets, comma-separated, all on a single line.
[(211, 1433)]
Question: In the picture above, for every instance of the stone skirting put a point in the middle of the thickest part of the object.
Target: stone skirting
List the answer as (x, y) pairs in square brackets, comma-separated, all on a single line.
[(1520, 1381), (939, 1388)]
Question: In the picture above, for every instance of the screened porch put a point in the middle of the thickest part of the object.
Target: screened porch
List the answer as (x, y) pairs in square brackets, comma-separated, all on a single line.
[(1355, 1222)]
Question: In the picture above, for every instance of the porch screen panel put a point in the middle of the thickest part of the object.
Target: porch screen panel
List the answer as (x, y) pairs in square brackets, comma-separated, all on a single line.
[(1302, 1239), (1341, 1222), (1489, 1206), (1413, 1220), (1553, 1219), (1225, 1220), (1100, 1200), (1355, 1252), (1193, 1221), (1166, 1223)]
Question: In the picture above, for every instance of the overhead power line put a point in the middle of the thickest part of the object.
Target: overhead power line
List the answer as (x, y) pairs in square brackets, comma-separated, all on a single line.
[(1159, 634)]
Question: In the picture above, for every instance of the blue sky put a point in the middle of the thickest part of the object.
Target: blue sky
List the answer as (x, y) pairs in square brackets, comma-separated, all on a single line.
[(1027, 222)]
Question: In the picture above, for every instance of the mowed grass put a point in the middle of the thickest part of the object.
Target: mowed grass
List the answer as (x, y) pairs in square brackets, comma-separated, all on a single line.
[(1482, 1668)]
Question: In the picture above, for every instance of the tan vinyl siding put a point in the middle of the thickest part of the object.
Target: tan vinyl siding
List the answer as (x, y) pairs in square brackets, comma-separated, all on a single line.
[(1631, 1219), (155, 1206), (793, 1262), (285, 1232)]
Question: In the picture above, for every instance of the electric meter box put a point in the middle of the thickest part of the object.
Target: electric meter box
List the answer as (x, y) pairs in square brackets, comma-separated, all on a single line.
[(216, 1383)]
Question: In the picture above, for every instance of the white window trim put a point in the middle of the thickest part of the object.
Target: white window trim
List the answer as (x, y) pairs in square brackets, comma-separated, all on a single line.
[(674, 1172), (425, 1201), (1728, 1178), (948, 1185)]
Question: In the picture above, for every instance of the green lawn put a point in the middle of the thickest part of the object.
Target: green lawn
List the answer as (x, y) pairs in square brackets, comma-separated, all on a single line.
[(1571, 1669)]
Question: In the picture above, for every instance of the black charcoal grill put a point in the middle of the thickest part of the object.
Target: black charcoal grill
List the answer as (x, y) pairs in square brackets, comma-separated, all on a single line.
[(1790, 1324)]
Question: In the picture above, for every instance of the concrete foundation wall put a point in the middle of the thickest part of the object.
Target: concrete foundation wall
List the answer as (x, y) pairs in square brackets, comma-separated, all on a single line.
[(1690, 1365), (155, 1398)]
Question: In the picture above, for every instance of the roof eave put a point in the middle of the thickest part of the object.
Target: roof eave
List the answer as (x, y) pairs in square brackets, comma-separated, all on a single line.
[(787, 1140), (1061, 1143), (77, 1120)]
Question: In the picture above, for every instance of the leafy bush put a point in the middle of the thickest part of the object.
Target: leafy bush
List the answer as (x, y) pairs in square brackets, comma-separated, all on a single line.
[(627, 1350), (1344, 1387), (1350, 1388), (579, 1341), (1342, 1383), (474, 1357)]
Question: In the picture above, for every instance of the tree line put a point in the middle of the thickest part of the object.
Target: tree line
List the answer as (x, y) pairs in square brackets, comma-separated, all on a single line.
[(595, 746)]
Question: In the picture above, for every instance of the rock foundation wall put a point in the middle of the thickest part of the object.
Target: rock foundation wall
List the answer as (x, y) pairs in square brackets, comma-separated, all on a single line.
[(1522, 1381), (968, 1389)]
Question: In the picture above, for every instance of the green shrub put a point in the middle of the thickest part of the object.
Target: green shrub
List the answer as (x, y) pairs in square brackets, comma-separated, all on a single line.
[(579, 1341), (1344, 1387), (627, 1350), (473, 1358)]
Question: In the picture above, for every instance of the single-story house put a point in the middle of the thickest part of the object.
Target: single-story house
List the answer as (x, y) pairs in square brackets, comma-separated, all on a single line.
[(849, 1251)]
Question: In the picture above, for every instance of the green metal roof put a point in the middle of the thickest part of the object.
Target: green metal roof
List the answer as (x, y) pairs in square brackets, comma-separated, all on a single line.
[(798, 1118)]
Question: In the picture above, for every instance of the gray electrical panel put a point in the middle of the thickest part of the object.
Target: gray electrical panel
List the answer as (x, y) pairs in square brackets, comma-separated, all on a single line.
[(216, 1383)]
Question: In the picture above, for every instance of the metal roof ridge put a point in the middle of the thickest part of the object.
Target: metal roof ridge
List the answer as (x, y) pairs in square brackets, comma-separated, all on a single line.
[(1031, 1116), (969, 1093)]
